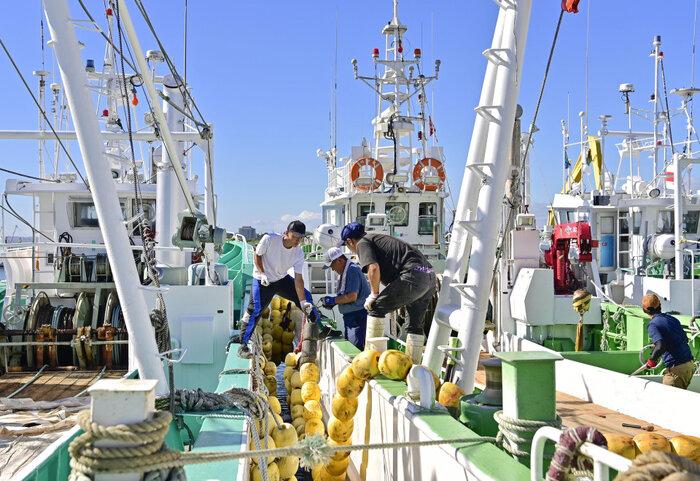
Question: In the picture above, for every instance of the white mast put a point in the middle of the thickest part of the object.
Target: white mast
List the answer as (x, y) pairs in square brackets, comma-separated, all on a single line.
[(462, 305), (141, 337)]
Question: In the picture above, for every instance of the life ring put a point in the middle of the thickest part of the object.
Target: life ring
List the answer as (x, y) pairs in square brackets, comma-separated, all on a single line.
[(418, 171), (378, 173)]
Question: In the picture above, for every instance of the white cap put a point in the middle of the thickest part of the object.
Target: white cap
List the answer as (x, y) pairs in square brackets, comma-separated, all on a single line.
[(331, 254)]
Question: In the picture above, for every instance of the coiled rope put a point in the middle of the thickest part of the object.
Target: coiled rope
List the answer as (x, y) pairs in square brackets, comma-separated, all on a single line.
[(510, 429), (658, 465)]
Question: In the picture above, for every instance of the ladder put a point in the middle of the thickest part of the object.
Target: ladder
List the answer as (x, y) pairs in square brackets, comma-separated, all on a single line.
[(470, 259)]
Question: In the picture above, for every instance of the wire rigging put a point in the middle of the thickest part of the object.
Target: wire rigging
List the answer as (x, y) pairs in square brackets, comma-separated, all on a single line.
[(43, 113), (10, 210), (28, 176), (181, 86)]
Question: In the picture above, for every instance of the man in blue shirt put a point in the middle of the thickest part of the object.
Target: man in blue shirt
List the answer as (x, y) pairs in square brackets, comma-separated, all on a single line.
[(352, 292), (670, 343)]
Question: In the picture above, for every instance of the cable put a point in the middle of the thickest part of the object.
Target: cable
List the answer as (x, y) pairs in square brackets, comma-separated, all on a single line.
[(185, 93), (43, 113), (28, 176), (102, 32), (13, 213), (668, 112)]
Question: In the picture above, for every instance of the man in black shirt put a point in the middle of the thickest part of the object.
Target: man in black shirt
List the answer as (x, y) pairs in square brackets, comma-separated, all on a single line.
[(408, 278)]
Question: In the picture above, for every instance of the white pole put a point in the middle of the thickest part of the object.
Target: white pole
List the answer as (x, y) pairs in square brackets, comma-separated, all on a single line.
[(169, 198), (141, 338), (657, 44), (470, 316), (456, 262), (209, 208), (677, 214), (155, 100)]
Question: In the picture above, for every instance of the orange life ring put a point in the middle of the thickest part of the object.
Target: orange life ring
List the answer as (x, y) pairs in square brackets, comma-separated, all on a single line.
[(418, 170), (378, 173)]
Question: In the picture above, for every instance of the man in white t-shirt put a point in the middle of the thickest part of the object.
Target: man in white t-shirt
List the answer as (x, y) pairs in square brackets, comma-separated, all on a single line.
[(274, 256)]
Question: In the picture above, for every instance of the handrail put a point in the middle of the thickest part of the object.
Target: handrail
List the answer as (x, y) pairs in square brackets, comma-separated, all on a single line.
[(79, 245), (602, 458)]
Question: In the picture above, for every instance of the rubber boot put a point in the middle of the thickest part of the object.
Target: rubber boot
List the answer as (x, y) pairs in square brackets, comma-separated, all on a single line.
[(309, 344), (375, 328), (414, 347)]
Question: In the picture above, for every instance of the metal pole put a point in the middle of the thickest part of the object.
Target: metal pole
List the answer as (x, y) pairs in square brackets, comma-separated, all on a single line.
[(657, 44), (677, 214), (155, 101), (144, 349), (460, 241)]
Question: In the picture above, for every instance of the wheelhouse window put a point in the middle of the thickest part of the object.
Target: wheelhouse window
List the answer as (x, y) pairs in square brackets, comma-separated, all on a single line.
[(690, 219), (397, 213), (84, 214), (427, 217), (364, 208), (664, 222)]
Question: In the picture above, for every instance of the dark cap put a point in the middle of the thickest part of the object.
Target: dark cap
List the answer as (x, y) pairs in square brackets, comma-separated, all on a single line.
[(351, 231), (297, 228), (651, 302)]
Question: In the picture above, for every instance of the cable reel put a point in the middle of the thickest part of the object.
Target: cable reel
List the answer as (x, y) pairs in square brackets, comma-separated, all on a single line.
[(194, 231)]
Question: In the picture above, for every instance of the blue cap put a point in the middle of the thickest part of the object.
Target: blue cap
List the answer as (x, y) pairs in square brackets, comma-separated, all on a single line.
[(351, 231)]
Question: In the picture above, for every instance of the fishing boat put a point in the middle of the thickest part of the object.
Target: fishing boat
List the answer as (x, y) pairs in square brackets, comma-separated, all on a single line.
[(207, 412)]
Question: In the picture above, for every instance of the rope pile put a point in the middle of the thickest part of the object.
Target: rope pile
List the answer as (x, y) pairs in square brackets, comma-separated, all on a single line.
[(658, 466), (511, 429)]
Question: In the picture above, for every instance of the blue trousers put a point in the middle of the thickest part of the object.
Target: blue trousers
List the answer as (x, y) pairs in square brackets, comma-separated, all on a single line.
[(356, 327), (261, 296)]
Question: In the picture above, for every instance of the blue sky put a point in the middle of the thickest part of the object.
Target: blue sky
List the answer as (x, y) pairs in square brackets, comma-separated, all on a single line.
[(261, 73)]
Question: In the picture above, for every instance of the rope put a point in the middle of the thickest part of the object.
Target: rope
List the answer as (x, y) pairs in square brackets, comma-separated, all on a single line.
[(658, 465), (510, 429), (149, 455), (565, 458), (199, 401), (149, 448)]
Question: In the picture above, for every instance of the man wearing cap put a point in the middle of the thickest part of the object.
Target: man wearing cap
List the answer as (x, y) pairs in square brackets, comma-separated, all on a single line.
[(670, 343), (351, 294), (274, 256), (408, 278)]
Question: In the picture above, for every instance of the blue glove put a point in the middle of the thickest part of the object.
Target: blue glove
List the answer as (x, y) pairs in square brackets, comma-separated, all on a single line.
[(329, 302)]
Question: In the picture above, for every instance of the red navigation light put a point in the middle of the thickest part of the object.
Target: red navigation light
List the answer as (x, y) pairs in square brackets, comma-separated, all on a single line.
[(420, 135), (400, 48), (109, 12), (416, 53), (105, 113), (375, 53), (661, 54), (135, 101)]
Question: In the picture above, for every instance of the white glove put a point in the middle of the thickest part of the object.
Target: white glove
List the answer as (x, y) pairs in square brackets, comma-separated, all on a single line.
[(370, 300), (264, 281), (307, 307)]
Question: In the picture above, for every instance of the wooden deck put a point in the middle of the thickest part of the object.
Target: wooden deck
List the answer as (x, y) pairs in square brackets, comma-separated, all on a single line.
[(576, 412), (52, 385)]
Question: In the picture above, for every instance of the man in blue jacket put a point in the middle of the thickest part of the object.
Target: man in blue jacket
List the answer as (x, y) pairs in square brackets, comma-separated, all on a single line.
[(670, 343), (350, 297)]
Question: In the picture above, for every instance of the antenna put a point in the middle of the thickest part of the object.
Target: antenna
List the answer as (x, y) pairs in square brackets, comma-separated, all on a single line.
[(335, 86)]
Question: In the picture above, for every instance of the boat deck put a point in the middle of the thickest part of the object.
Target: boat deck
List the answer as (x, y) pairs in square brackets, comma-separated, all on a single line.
[(52, 385), (576, 412)]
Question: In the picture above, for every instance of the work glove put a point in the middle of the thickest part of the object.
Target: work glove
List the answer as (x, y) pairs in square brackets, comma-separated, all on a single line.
[(370, 300), (264, 281), (307, 307), (651, 364), (328, 302)]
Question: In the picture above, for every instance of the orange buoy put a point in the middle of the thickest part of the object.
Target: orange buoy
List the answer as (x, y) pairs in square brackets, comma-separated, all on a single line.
[(418, 173), (377, 173)]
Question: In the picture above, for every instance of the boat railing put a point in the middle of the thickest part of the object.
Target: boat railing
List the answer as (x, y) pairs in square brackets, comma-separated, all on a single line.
[(603, 459), (79, 245)]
